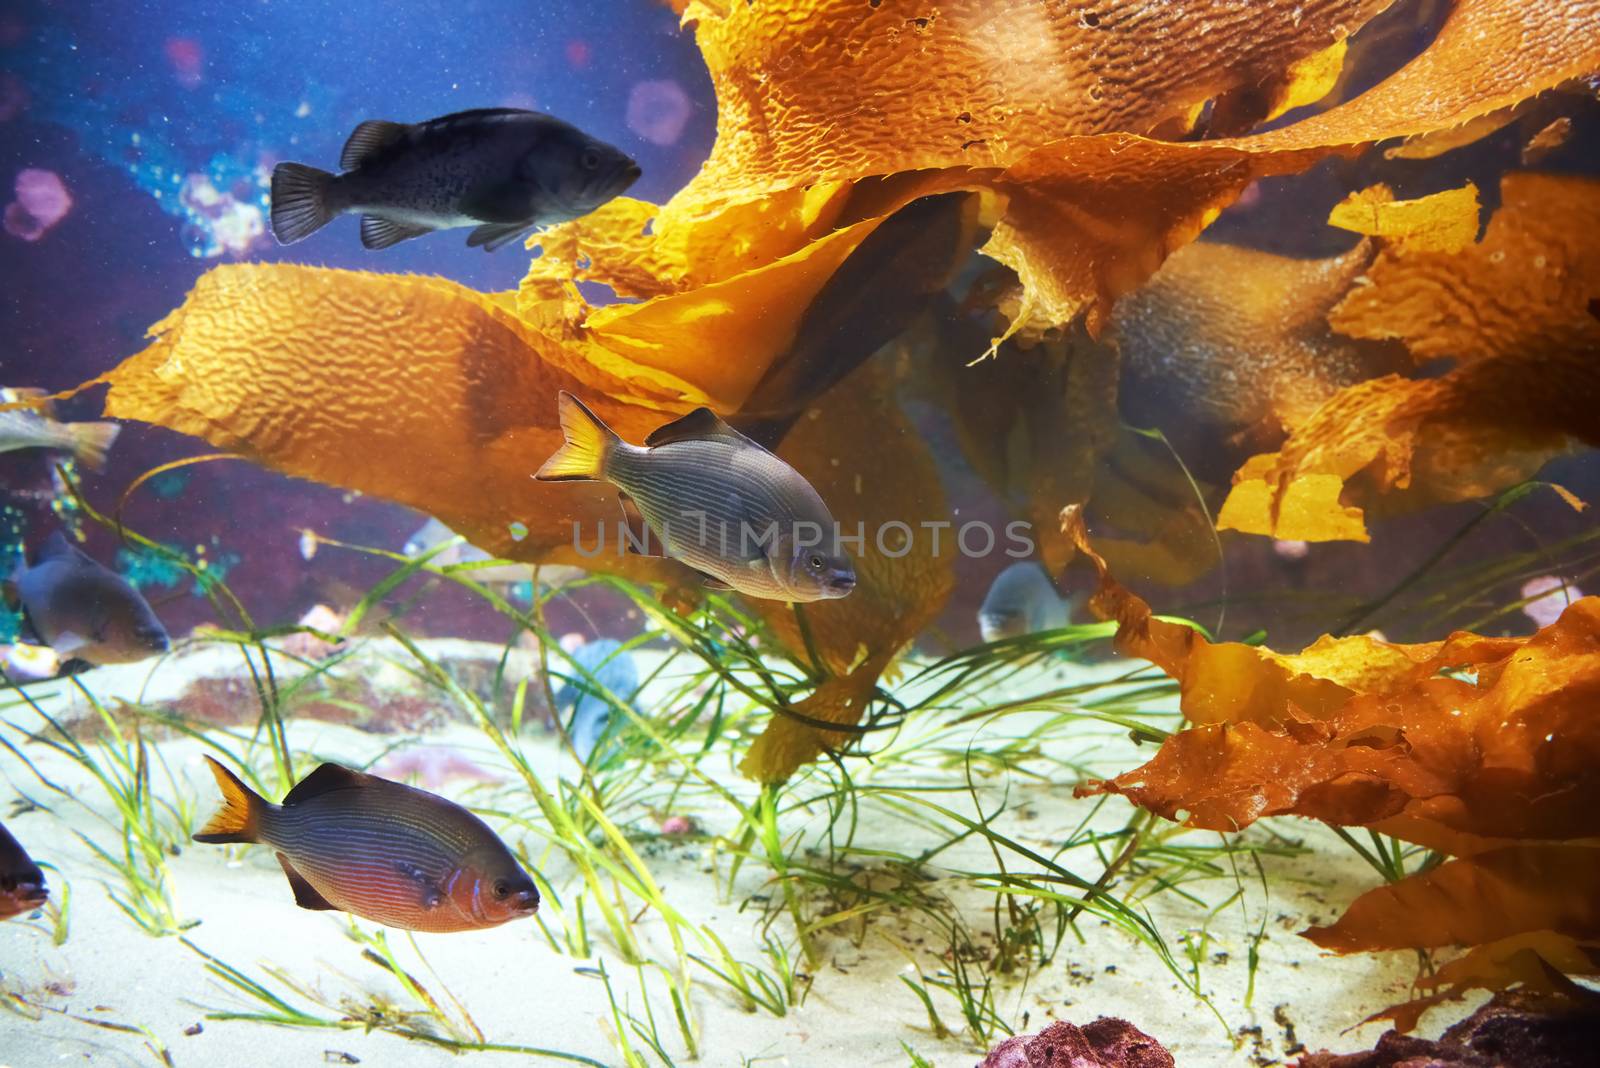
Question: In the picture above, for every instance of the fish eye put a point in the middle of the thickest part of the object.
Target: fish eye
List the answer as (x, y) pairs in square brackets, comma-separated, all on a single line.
[(501, 888), (817, 561), (590, 160)]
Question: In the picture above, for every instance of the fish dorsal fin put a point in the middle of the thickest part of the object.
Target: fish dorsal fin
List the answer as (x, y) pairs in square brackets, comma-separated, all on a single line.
[(699, 425), (381, 233), (305, 895), (325, 780), (370, 138), (57, 546)]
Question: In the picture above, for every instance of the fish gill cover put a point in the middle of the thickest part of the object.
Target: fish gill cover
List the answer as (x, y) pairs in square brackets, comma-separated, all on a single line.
[(1099, 139)]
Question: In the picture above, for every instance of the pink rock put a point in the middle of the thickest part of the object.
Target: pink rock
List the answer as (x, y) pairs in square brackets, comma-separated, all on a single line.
[(677, 825), (431, 766), (1550, 598), (658, 110), (42, 201), (309, 646)]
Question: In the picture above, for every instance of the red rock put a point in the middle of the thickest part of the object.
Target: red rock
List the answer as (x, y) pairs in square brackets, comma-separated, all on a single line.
[(1106, 1043)]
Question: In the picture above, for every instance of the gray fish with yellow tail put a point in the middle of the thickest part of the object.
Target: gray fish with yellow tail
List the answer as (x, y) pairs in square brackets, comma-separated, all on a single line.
[(37, 428), (716, 500), (390, 853), (503, 171), (87, 613), (22, 886), (1022, 600)]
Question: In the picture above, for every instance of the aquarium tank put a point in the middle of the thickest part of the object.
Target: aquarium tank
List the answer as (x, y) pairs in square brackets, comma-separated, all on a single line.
[(843, 533)]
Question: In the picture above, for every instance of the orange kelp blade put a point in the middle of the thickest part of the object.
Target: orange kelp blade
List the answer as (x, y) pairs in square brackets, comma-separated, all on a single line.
[(1513, 311), (866, 460), (1091, 204)]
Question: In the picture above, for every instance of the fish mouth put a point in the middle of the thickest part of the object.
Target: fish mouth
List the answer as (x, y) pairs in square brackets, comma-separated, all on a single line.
[(622, 178), (995, 627), (838, 585), (524, 902), (31, 895)]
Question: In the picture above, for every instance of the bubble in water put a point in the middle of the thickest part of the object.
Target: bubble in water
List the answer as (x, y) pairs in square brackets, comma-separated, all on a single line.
[(658, 110), (42, 201)]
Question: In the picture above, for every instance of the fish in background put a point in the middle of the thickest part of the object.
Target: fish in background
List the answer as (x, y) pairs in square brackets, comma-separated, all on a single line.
[(1023, 600), (25, 428), (503, 171), (717, 501), (22, 886), (390, 853), (434, 533), (613, 668), (88, 614)]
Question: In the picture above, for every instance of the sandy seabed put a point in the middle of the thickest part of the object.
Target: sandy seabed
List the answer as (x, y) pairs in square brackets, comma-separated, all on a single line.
[(521, 988)]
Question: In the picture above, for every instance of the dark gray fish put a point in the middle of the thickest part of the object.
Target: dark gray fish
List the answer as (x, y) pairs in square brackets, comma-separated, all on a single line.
[(1022, 600), (394, 854), (27, 428), (88, 614), (717, 501), (503, 171), (22, 887)]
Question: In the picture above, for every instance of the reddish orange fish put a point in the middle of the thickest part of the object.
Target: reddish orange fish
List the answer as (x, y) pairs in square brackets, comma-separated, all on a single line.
[(391, 853), (22, 886)]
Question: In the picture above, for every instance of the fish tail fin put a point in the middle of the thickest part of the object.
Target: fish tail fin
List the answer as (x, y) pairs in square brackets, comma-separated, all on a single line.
[(239, 818), (589, 442), (299, 201), (92, 441)]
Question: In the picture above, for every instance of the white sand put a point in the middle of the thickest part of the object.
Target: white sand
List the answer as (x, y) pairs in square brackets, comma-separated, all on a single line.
[(522, 991)]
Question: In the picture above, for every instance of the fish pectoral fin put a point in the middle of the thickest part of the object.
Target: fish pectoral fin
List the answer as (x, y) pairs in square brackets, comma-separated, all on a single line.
[(379, 233), (369, 139), (640, 538), (68, 642), (72, 666), (507, 203), (305, 895), (698, 425), (431, 894), (326, 779), (493, 236), (711, 582)]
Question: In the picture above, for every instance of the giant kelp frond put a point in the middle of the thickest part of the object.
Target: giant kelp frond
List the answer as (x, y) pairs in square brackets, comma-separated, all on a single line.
[(1512, 310), (1476, 746), (833, 116)]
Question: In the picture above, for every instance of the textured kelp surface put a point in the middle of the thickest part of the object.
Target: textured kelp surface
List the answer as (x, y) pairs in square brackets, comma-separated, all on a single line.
[(1479, 747), (832, 117), (1511, 309)]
